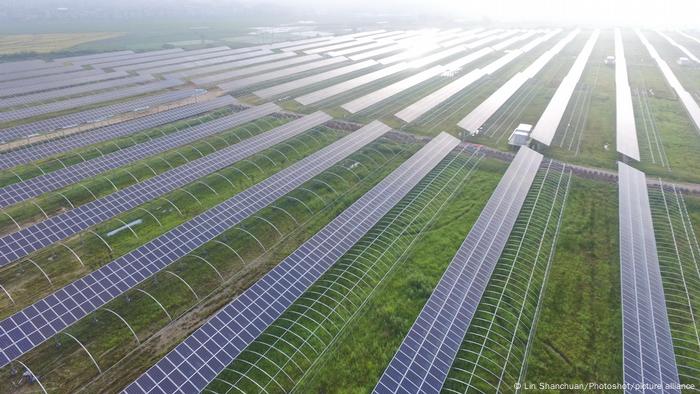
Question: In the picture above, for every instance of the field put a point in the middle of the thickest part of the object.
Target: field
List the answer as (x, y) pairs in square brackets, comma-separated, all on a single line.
[(551, 310), (44, 43)]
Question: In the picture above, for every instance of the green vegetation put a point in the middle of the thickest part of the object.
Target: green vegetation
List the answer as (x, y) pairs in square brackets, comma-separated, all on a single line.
[(579, 333)]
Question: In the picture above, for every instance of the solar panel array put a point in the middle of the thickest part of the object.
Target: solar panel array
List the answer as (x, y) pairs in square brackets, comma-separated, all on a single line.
[(474, 120), (71, 91), (207, 62), (97, 98), (422, 362), (117, 56), (312, 79), (106, 133), (626, 128), (20, 83), (385, 93), (342, 87), (62, 83), (196, 362), (229, 65), (24, 65), (120, 62), (187, 58), (30, 327), (55, 180), (547, 125), (686, 35), (686, 98), (682, 48), (92, 57), (53, 229), (429, 102), (242, 83), (93, 115), (23, 75), (647, 346), (216, 78)]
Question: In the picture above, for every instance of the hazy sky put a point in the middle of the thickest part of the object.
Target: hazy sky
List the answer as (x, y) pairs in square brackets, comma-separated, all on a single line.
[(647, 12)]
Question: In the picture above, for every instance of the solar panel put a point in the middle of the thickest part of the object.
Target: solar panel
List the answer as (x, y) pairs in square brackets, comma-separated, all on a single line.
[(626, 128), (71, 91), (329, 48), (218, 342), (115, 57), (330, 41), (686, 98), (37, 73), (207, 62), (242, 83), (143, 67), (547, 125), (93, 115), (30, 327), (312, 79), (361, 48), (106, 133), (81, 101), (94, 56), (120, 62), (85, 216), (686, 35), (55, 180), (647, 347), (25, 65), (61, 83), (377, 52), (424, 358), (23, 83), (469, 36), (682, 48), (216, 78), (474, 120), (342, 87), (385, 93), (229, 65)]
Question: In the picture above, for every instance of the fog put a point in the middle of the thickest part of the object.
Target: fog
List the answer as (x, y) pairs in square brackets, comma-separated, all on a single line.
[(667, 13)]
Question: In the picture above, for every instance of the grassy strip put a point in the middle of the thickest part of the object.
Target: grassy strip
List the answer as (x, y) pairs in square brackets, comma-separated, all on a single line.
[(493, 352), (578, 338), (201, 279), (33, 210), (26, 283)]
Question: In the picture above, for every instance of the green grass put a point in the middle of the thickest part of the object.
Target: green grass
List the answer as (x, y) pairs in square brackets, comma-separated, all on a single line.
[(109, 340), (579, 333)]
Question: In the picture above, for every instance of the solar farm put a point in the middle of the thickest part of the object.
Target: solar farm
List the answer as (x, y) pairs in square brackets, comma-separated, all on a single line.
[(394, 210)]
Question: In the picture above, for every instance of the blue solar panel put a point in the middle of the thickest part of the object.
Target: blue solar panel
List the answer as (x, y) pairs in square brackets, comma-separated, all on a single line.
[(219, 341), (426, 354), (33, 187), (647, 346), (72, 80), (106, 133), (33, 325), (93, 115), (91, 99), (15, 246)]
